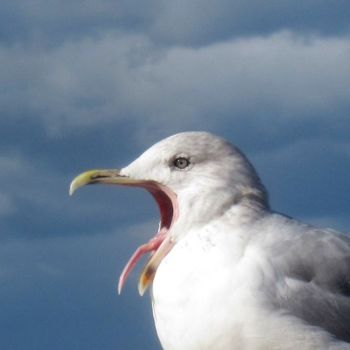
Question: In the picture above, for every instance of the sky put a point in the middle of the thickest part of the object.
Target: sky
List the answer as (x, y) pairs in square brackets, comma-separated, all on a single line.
[(92, 84)]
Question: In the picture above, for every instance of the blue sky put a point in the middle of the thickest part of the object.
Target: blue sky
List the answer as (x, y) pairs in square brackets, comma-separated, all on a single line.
[(91, 84)]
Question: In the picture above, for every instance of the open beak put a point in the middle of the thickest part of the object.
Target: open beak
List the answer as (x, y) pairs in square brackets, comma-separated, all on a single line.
[(161, 243)]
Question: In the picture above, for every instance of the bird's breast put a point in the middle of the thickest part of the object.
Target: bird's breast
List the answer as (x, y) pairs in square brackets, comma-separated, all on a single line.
[(196, 288)]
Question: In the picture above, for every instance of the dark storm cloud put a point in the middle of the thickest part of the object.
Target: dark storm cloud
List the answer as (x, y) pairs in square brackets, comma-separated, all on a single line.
[(50, 23), (202, 22), (308, 178), (168, 23), (61, 293)]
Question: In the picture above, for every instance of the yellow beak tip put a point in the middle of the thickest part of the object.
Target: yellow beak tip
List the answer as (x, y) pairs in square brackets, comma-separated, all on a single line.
[(71, 190), (144, 282), (75, 184), (82, 180), (141, 290)]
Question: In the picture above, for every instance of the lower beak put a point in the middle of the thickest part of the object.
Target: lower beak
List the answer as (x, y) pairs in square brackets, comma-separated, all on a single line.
[(149, 270)]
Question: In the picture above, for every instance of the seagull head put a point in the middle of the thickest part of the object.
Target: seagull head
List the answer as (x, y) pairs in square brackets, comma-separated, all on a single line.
[(194, 177)]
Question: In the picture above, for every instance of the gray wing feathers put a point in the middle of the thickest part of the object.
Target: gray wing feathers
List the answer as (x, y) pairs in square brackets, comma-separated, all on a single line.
[(315, 264)]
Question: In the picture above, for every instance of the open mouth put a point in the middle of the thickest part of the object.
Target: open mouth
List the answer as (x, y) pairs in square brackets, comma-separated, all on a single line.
[(159, 245)]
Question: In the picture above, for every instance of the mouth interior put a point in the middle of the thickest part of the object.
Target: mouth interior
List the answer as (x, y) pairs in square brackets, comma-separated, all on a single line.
[(167, 204), (168, 208)]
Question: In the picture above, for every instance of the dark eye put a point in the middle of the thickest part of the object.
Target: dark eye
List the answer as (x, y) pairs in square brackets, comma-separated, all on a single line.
[(181, 163)]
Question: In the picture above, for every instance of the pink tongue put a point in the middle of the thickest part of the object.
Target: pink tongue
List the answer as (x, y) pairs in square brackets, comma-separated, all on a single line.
[(151, 246)]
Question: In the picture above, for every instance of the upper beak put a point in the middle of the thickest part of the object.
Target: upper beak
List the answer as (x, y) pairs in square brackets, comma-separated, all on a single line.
[(105, 176)]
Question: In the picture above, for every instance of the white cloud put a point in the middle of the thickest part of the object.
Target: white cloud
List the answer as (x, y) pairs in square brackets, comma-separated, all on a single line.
[(125, 78)]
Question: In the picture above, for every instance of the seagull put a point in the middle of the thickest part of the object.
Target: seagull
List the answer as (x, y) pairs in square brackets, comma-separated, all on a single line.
[(226, 272)]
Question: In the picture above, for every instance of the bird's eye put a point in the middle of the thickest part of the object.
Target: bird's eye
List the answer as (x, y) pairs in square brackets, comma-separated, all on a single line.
[(181, 162)]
